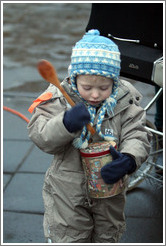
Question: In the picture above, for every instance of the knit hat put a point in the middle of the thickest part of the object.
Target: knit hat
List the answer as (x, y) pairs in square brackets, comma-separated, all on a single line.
[(95, 55)]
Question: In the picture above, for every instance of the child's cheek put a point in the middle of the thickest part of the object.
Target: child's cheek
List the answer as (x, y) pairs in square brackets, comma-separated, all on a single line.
[(108, 93), (84, 95)]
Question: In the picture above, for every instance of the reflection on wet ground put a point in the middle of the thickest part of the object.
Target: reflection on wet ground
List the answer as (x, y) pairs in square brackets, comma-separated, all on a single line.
[(34, 31)]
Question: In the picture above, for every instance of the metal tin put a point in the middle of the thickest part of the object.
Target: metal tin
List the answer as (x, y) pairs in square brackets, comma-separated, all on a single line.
[(94, 157)]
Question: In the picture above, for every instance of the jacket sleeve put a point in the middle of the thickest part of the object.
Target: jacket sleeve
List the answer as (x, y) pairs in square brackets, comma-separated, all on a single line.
[(135, 138), (46, 128)]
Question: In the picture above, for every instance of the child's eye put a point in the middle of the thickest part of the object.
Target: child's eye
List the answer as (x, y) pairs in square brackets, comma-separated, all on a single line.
[(104, 88), (86, 88)]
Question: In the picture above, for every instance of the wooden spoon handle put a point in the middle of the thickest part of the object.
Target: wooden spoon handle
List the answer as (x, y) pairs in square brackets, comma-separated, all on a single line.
[(48, 72)]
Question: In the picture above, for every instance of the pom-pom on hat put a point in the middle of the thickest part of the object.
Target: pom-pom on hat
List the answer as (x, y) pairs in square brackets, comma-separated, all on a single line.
[(95, 55)]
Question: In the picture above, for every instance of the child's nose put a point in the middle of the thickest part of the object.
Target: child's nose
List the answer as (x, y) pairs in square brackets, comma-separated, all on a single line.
[(95, 94)]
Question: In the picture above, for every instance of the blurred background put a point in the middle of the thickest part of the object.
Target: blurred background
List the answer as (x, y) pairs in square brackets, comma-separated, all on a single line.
[(34, 31)]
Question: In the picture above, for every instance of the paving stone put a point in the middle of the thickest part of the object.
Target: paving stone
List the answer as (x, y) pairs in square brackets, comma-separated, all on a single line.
[(13, 154), (37, 161), (14, 127), (22, 228), (6, 178), (24, 193)]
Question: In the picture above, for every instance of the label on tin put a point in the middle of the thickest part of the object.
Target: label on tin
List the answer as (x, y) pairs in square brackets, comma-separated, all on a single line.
[(93, 159)]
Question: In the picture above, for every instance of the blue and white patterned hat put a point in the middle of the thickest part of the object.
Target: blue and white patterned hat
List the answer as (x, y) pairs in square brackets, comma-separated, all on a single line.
[(95, 55)]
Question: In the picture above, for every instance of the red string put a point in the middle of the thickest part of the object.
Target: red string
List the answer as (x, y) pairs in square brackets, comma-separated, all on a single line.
[(16, 113)]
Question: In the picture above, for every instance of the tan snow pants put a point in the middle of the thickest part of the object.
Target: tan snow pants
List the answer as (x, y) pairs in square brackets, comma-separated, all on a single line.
[(89, 221)]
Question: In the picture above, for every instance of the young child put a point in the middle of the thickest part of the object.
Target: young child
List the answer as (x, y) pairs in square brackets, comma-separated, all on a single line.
[(112, 107)]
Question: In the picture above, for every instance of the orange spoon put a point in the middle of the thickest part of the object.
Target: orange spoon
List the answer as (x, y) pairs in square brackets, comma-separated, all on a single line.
[(48, 72)]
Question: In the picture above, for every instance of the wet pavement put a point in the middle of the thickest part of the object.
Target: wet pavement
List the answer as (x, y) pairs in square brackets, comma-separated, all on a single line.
[(24, 169), (34, 31)]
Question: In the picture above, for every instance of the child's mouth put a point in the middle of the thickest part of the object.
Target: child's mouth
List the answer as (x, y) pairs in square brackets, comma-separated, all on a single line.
[(94, 102)]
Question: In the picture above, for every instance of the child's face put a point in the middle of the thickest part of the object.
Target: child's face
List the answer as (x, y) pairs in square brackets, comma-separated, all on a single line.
[(94, 88)]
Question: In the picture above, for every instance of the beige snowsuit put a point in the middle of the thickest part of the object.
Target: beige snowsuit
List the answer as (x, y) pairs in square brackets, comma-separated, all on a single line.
[(70, 215)]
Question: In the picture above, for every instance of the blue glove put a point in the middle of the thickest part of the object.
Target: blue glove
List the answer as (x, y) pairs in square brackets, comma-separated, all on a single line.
[(75, 118), (121, 165)]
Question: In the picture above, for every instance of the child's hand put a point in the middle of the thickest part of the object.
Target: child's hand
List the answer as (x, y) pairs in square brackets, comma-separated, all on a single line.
[(121, 165), (75, 118)]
